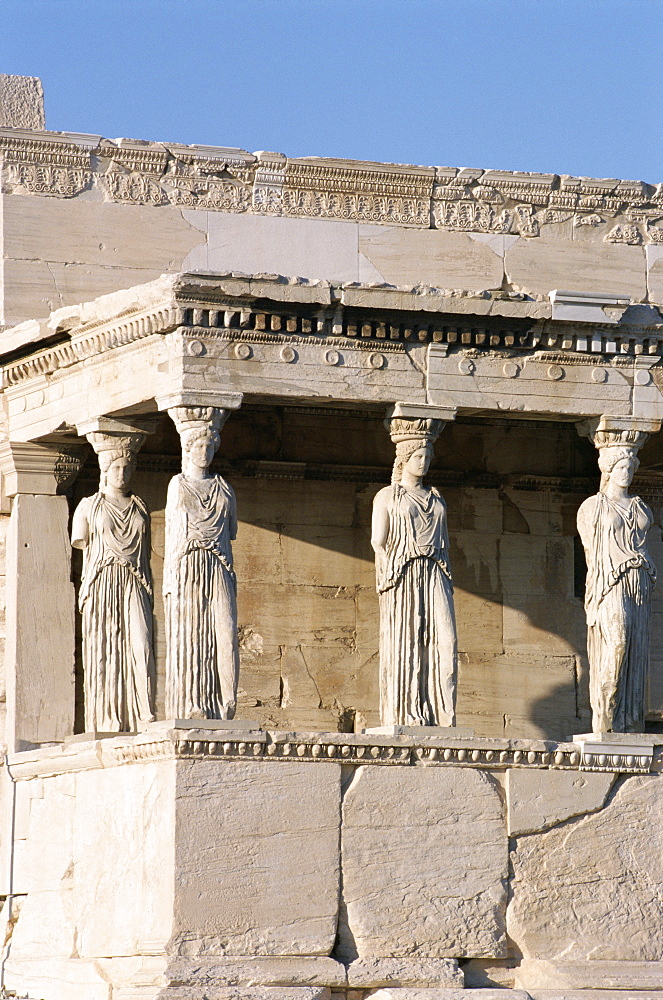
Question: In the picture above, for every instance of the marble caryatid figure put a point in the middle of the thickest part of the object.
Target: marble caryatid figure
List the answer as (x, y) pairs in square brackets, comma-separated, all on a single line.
[(113, 529), (417, 623), (202, 659), (613, 527)]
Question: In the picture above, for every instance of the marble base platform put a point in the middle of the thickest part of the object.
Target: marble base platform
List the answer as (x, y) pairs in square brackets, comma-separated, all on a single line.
[(238, 864)]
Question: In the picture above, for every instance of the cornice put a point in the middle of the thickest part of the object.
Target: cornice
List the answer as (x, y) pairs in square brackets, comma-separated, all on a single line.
[(282, 748), (233, 180), (267, 310)]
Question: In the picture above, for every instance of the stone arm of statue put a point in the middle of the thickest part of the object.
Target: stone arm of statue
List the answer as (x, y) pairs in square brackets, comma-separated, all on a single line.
[(380, 525), (585, 522), (80, 527), (176, 534)]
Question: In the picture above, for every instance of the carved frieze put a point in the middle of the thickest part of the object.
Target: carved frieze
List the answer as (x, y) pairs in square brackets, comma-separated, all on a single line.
[(629, 234), (328, 189), (133, 188), (215, 194), (483, 201), (45, 165), (268, 184), (46, 178)]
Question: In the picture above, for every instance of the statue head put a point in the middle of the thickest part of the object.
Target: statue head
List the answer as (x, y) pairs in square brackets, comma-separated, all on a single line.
[(116, 466), (618, 463), (414, 454), (411, 435), (117, 458), (198, 428), (199, 444)]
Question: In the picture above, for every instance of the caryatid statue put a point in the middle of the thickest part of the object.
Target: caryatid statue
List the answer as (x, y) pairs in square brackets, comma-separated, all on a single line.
[(113, 529), (202, 658), (613, 527), (418, 653)]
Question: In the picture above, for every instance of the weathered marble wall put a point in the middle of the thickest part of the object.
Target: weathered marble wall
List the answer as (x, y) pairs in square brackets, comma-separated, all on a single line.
[(84, 215), (308, 611), (61, 251), (149, 868)]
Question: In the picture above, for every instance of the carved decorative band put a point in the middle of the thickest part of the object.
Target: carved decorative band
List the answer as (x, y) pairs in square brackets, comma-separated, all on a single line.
[(484, 201), (87, 345), (627, 763), (258, 745), (381, 754)]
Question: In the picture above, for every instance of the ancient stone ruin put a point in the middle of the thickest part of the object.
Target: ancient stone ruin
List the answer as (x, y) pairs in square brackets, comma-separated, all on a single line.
[(331, 499)]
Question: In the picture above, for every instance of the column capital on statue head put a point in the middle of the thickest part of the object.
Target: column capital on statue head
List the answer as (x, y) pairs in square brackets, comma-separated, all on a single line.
[(119, 425), (421, 411), (413, 421), (607, 431), (110, 433)]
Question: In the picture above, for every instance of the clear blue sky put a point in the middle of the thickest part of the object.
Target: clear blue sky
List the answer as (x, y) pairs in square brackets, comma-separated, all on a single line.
[(566, 86)]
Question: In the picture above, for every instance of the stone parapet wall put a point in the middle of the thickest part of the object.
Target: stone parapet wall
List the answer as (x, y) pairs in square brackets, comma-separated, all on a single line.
[(327, 872), (85, 215)]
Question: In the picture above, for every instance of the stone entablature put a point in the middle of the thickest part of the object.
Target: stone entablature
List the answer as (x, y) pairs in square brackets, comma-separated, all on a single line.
[(268, 336), (498, 202)]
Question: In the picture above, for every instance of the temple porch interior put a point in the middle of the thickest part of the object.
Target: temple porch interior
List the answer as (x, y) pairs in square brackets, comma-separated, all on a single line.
[(305, 477)]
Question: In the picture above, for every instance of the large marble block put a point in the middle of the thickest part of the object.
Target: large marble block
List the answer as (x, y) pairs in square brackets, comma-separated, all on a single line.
[(592, 887), (257, 846), (424, 856), (541, 799), (127, 849)]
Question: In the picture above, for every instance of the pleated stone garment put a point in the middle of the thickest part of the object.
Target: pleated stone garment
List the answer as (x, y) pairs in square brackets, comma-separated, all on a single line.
[(202, 658), (418, 657), (116, 602), (620, 580)]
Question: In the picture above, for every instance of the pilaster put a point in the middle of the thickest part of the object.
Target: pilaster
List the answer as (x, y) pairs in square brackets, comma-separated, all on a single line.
[(39, 657)]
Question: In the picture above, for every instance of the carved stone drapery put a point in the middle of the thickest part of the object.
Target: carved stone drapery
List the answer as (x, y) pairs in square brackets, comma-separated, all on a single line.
[(418, 650), (113, 529), (202, 659), (621, 575)]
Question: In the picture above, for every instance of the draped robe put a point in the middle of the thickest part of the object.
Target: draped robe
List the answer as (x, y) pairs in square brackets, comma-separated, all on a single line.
[(115, 599), (418, 658), (620, 579), (202, 659)]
